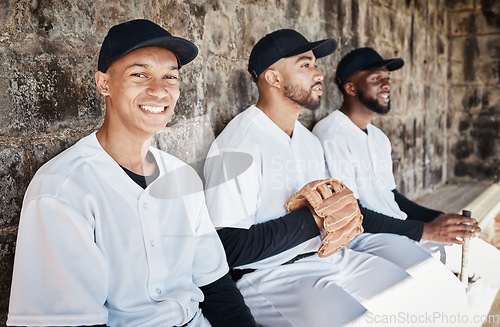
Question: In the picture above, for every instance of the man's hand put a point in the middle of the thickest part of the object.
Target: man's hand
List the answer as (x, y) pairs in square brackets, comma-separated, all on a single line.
[(336, 204), (450, 228)]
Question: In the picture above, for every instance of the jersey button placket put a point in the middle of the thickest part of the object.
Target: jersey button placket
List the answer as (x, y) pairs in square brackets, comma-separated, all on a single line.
[(152, 241)]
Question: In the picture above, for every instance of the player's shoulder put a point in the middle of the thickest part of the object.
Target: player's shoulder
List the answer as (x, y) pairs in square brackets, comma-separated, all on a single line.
[(72, 163), (305, 135), (239, 130), (173, 165), (168, 160), (332, 126), (72, 157), (376, 132)]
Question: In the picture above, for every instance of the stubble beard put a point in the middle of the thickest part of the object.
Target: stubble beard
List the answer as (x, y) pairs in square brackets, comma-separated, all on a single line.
[(302, 97), (373, 104)]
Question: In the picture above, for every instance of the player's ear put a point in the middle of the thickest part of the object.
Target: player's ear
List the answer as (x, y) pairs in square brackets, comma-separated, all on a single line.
[(349, 88), (101, 80), (272, 77)]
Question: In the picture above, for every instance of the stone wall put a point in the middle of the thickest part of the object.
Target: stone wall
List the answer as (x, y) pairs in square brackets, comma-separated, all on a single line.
[(48, 54), (474, 94), (415, 31)]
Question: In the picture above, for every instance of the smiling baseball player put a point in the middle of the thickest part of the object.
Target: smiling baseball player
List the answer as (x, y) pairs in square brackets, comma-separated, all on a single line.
[(107, 236)]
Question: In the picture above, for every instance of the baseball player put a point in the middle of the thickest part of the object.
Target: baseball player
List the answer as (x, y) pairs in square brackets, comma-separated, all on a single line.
[(108, 235), (359, 154), (274, 253)]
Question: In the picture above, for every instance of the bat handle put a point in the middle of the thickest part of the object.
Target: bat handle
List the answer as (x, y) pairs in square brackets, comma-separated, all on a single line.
[(464, 275)]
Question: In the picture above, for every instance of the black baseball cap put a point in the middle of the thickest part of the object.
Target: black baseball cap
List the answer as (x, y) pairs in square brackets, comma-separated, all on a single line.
[(363, 59), (140, 33), (282, 44)]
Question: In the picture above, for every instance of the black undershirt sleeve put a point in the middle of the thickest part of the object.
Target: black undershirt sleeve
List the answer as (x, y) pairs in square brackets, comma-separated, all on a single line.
[(224, 305), (269, 238), (415, 211), (374, 222)]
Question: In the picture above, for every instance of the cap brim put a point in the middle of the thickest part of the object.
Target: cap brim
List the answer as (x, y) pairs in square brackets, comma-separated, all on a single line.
[(320, 48), (184, 50), (391, 64)]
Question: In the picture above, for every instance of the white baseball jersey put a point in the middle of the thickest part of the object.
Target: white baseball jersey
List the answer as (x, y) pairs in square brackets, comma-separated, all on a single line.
[(361, 161), (95, 248), (333, 291), (280, 166)]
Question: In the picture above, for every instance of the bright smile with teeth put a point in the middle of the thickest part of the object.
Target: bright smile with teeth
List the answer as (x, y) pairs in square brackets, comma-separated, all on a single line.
[(318, 88), (385, 95), (153, 109)]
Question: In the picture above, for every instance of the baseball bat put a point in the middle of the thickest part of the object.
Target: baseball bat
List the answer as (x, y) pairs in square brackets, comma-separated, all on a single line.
[(464, 275)]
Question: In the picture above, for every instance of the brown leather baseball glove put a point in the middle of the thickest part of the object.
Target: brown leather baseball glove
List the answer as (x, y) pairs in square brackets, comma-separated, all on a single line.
[(336, 204)]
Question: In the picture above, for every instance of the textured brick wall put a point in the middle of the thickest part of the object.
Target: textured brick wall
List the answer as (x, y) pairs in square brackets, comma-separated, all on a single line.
[(48, 53), (474, 94), (415, 31)]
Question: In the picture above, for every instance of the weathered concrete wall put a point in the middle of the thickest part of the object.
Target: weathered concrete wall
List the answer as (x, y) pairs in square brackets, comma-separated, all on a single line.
[(48, 54), (474, 95), (415, 31)]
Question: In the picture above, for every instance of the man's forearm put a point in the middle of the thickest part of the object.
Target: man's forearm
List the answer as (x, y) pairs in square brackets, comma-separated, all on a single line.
[(269, 238), (374, 222), (414, 210)]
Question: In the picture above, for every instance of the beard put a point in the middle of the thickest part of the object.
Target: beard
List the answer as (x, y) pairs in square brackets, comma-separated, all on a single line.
[(302, 97), (373, 104)]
